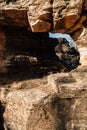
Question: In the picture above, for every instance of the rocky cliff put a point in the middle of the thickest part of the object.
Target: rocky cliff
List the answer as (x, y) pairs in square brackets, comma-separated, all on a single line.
[(65, 16), (39, 92)]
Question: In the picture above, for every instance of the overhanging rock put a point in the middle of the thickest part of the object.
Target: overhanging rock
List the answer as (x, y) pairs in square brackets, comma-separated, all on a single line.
[(43, 16)]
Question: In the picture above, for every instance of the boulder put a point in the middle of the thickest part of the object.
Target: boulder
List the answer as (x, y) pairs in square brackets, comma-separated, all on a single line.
[(71, 89), (31, 109)]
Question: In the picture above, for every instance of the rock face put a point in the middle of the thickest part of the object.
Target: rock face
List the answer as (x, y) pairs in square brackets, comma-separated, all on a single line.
[(38, 96), (36, 112), (56, 101), (41, 98), (73, 98), (65, 16)]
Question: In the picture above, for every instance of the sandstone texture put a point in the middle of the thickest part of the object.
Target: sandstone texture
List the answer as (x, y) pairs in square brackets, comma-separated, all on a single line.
[(44, 99), (65, 16), (56, 101), (40, 92)]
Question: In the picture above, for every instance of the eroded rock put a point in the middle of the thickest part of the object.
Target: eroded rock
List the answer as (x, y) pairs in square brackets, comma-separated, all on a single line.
[(60, 104), (71, 88), (31, 109), (44, 16), (35, 98)]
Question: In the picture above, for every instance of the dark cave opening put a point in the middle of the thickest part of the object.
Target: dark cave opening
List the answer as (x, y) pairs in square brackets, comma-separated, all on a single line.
[(35, 54)]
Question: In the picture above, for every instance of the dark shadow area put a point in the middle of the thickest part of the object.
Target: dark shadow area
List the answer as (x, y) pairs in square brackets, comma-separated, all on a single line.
[(34, 55), (63, 113), (1, 117), (23, 69)]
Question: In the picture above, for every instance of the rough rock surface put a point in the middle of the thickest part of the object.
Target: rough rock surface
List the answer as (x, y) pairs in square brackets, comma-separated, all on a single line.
[(31, 101), (39, 98), (56, 101), (66, 16), (72, 91)]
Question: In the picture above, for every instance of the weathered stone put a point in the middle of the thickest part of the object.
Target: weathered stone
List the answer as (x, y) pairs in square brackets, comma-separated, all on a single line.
[(83, 57), (60, 104), (44, 16), (31, 109), (40, 16), (71, 89), (34, 98), (3, 94), (66, 14)]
